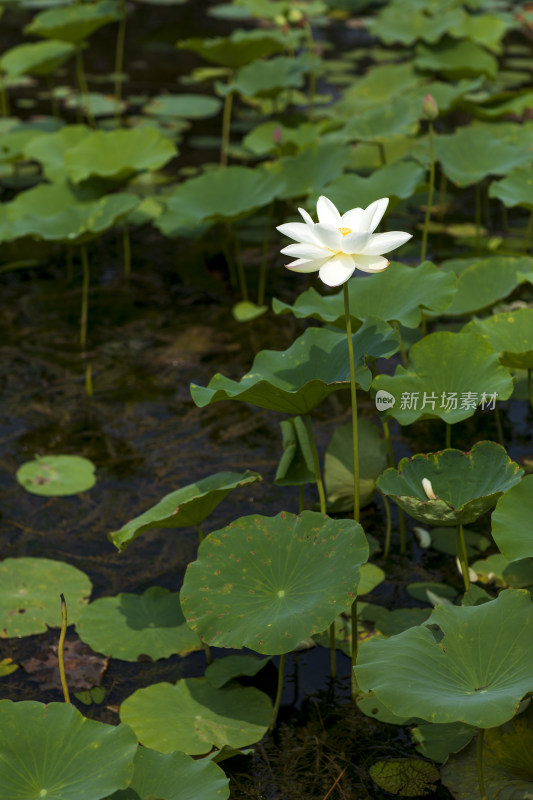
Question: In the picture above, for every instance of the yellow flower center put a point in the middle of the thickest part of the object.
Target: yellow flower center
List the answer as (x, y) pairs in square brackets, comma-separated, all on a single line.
[(345, 231)]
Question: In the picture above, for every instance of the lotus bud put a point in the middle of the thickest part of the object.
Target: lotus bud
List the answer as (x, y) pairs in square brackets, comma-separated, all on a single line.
[(295, 15), (424, 539), (280, 20), (277, 135), (472, 574), (430, 108), (428, 488)]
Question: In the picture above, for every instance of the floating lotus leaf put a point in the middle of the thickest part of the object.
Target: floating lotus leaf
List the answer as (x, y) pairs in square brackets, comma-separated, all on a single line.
[(185, 507), (37, 58), (310, 170), (400, 180), (223, 670), (438, 741), (118, 154), (53, 751), (398, 118), (56, 213), (486, 281), (460, 59), (477, 673), (246, 311), (516, 189), (57, 476), (15, 141), (224, 194), (296, 466), (193, 716), (501, 105), (485, 29), (269, 137), (510, 334), (404, 777), (512, 521), (29, 594), (449, 375), (399, 293), (130, 625), (296, 380), (73, 23), (266, 78), (96, 103), (443, 541), (423, 590), (471, 153), (234, 51), (174, 776), (49, 150), (370, 576), (507, 767), (338, 465), (267, 583), (401, 619), (392, 24), (190, 106)]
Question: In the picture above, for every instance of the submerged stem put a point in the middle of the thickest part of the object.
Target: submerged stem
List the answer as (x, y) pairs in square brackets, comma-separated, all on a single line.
[(388, 530), (530, 387), (240, 270), (277, 702), (355, 648), (480, 777), (430, 194), (82, 86), (60, 648), (84, 296), (226, 128), (119, 60), (126, 249), (448, 435)]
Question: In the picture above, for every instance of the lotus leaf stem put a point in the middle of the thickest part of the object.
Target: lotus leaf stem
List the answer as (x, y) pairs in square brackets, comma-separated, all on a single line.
[(200, 533), (388, 441), (431, 189), (89, 381), (462, 555), (401, 523), (4, 99), (277, 702), (53, 100), (126, 249), (388, 530), (301, 499), (480, 778), (240, 270), (478, 219), (382, 154), (448, 435), (401, 518), (403, 353), (226, 126), (498, 421), (60, 648), (355, 648), (262, 269), (530, 387), (82, 86), (312, 70), (119, 60), (84, 297)]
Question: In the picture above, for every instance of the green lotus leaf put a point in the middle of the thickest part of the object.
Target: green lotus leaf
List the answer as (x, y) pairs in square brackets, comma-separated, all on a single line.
[(449, 376), (57, 476), (53, 751), (189, 106), (118, 154), (507, 767), (15, 141), (29, 597), (296, 380), (477, 673), (270, 137), (266, 78), (174, 776), (378, 85), (486, 281), (501, 105), (73, 23), (306, 173), (185, 507), (516, 189), (399, 117), (338, 465), (269, 582), (37, 58), (401, 619), (49, 150), (471, 153), (423, 590), (466, 484), (193, 716), (130, 625), (443, 540), (96, 103), (296, 466), (512, 527), (223, 670), (510, 334), (392, 24), (404, 777), (438, 741), (246, 311), (484, 29), (399, 293), (370, 576), (374, 708), (234, 51), (400, 180), (462, 59), (224, 194), (56, 213)]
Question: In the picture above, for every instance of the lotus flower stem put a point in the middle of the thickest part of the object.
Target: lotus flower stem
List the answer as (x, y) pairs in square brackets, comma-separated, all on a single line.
[(478, 219), (119, 60), (388, 530), (226, 128), (60, 658), (82, 86), (84, 297), (480, 778), (431, 189), (277, 701), (126, 249), (353, 391), (448, 436), (462, 555), (4, 99), (401, 518), (529, 387)]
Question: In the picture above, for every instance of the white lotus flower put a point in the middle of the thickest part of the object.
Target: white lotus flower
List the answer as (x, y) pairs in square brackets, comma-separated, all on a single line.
[(337, 245)]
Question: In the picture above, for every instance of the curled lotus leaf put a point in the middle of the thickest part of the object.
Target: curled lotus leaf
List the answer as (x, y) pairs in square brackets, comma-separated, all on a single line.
[(449, 376), (37, 58), (234, 51), (296, 380), (484, 282), (512, 521), (465, 484), (510, 334), (267, 583), (338, 465), (73, 23), (477, 672), (399, 294), (52, 751), (188, 506), (516, 189)]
